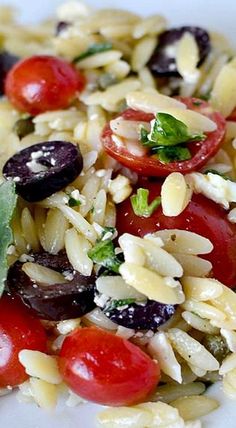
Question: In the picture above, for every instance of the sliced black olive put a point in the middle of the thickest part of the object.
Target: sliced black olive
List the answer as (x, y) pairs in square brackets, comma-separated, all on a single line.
[(43, 169), (7, 61), (61, 26), (140, 316), (163, 63), (24, 127), (53, 302)]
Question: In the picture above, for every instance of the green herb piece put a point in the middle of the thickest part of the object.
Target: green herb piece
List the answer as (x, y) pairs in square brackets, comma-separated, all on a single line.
[(140, 204), (206, 96), (8, 200), (92, 50), (169, 131), (114, 304), (173, 153), (144, 135), (72, 202), (197, 103), (24, 126), (214, 171), (103, 253), (108, 229)]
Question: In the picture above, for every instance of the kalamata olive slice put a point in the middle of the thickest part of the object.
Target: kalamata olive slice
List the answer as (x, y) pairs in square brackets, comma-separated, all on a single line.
[(53, 302), (141, 316), (43, 169), (7, 61), (163, 63), (61, 26)]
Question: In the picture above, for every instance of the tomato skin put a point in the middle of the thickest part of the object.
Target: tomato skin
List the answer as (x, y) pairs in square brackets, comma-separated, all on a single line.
[(201, 216), (18, 330), (201, 151), (41, 83), (106, 369)]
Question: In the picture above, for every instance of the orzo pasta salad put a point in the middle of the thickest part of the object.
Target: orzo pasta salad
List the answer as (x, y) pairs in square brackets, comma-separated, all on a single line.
[(117, 215)]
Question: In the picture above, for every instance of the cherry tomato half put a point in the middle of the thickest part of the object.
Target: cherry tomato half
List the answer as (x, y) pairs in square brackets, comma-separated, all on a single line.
[(201, 216), (107, 369), (232, 116), (41, 83), (201, 151), (18, 330)]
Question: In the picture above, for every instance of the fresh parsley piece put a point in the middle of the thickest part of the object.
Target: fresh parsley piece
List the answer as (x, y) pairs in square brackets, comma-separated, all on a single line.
[(169, 131), (116, 304), (206, 96), (72, 202), (103, 253), (8, 200), (197, 103), (173, 153), (140, 204), (213, 171), (92, 50), (143, 135), (108, 229)]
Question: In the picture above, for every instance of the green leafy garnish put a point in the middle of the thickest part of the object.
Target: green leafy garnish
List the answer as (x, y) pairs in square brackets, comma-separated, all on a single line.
[(140, 204), (197, 103), (72, 202), (214, 171), (92, 50), (8, 200), (144, 135), (114, 304), (108, 229), (169, 131), (206, 96), (103, 253), (173, 153)]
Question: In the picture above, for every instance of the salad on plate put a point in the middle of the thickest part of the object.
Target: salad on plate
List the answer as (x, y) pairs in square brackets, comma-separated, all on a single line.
[(117, 215)]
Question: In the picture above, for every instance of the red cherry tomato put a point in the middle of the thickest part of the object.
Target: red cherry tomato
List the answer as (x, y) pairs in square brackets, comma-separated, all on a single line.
[(18, 330), (107, 369), (232, 116), (42, 83), (201, 216), (149, 166)]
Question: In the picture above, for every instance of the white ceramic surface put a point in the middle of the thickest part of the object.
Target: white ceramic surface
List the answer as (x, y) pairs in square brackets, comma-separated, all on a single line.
[(214, 14)]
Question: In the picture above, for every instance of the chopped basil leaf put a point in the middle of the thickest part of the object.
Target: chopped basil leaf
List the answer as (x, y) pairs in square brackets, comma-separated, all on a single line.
[(108, 229), (140, 204), (92, 50), (72, 202), (8, 200), (169, 131), (103, 253), (197, 103), (143, 135), (173, 153), (206, 96), (116, 304), (213, 171)]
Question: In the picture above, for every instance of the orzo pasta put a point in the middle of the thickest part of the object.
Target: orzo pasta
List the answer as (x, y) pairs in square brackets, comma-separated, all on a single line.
[(117, 215)]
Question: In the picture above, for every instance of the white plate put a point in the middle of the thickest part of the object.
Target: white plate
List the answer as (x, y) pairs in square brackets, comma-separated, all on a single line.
[(213, 14)]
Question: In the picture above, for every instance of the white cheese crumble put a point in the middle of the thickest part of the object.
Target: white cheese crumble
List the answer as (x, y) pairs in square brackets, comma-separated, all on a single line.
[(75, 194), (26, 258), (214, 187), (36, 167)]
